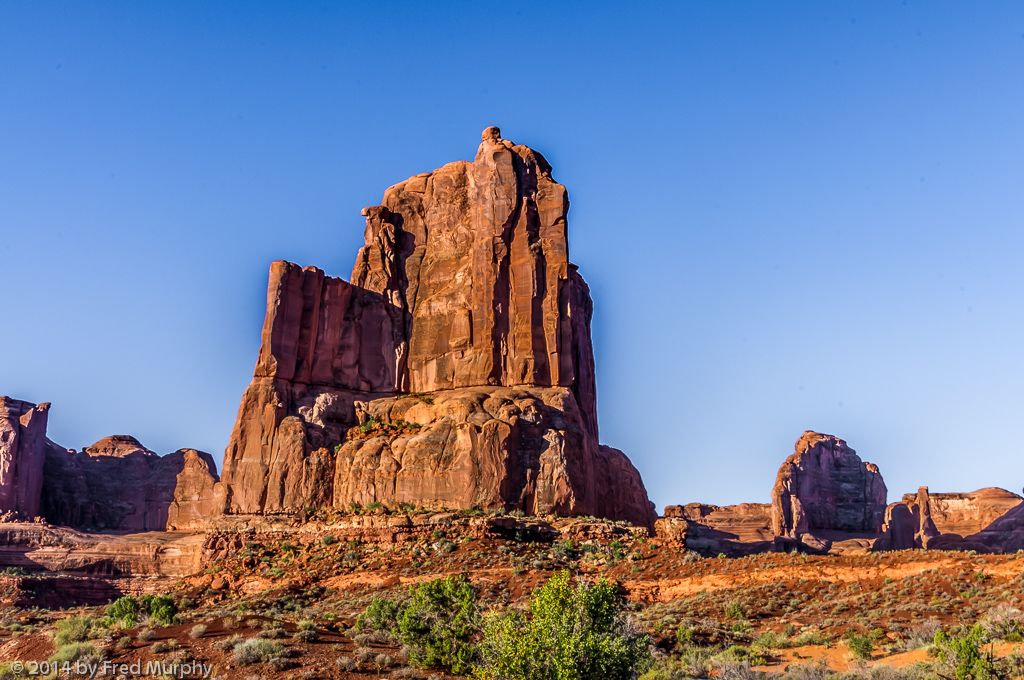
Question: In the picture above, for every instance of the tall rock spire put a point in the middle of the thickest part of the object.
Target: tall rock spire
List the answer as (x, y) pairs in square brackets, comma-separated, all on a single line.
[(463, 283)]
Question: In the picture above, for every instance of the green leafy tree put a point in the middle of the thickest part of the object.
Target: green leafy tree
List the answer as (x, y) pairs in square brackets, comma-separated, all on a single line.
[(575, 631)]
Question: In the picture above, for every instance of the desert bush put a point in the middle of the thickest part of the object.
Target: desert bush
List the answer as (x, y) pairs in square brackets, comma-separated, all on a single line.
[(228, 644), (771, 640), (736, 670), (734, 610), (75, 629), (861, 645), (256, 650), (961, 653), (306, 636), (574, 632), (159, 647), (279, 663), (737, 654), (1002, 621), (272, 629), (346, 663), (125, 609), (124, 643), (72, 652), (809, 638), (921, 636), (198, 630), (146, 634), (159, 608), (692, 663), (818, 670), (436, 624), (306, 624)]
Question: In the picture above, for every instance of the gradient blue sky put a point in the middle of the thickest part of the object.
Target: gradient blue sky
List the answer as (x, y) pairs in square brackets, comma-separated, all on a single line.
[(793, 215)]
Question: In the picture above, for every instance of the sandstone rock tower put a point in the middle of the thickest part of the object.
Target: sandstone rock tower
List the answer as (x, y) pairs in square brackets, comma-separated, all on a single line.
[(824, 486), (461, 348)]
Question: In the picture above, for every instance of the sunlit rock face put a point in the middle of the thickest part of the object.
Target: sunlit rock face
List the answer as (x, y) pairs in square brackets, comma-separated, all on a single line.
[(463, 294)]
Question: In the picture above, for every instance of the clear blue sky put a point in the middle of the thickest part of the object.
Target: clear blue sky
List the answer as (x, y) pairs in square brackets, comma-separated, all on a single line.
[(792, 215)]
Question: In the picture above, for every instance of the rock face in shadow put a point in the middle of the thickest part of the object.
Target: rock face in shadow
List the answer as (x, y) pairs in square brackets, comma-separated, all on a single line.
[(463, 294), (22, 454), (988, 520), (118, 484), (825, 487)]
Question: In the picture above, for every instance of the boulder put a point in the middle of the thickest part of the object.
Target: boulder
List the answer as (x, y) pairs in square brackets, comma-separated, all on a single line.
[(825, 487), (463, 297), (22, 455)]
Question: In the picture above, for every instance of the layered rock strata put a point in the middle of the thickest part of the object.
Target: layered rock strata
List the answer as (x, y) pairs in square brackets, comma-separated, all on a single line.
[(986, 520), (825, 487), (712, 529), (464, 295)]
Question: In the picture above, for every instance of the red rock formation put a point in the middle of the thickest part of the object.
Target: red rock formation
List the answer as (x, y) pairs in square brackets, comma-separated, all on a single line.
[(711, 529), (464, 283), (118, 484), (987, 519), (823, 487), (22, 452)]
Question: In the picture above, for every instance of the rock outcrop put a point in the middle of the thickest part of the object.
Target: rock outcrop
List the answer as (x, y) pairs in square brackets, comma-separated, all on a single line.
[(713, 529), (115, 484), (118, 484), (463, 297), (22, 454), (988, 520), (825, 487)]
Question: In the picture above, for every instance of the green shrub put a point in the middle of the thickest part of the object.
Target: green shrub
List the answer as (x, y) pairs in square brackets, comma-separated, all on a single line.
[(75, 629), (437, 624), (160, 608), (126, 610), (771, 640), (963, 654), (734, 610), (861, 645), (70, 653), (574, 632)]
